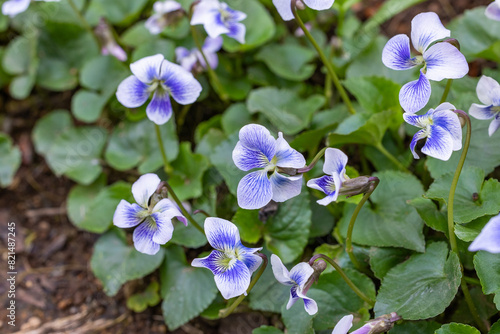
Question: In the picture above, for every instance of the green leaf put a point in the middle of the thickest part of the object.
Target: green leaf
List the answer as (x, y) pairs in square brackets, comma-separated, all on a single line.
[(434, 218), (391, 222), (134, 144), (488, 270), (455, 328), (139, 302), (266, 330), (289, 61), (268, 294), (56, 75), (117, 12), (48, 128), (248, 224), (469, 231), (103, 74), (18, 56), (286, 232), (384, 259), (186, 290), (114, 262), (11, 160), (375, 94), (163, 46), (21, 86), (87, 106), (415, 327), (421, 287), (322, 220), (284, 108), (296, 320), (465, 208), (495, 329), (234, 118)]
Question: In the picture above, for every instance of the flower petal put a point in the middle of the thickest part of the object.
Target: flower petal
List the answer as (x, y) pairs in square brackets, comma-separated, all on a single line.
[(159, 110), (488, 91), (127, 215), (489, 238), (148, 68), (343, 326), (301, 273), (319, 4), (293, 297), (417, 120), (482, 112), (212, 45), (439, 143), (419, 135), (132, 92), (251, 260), (285, 187), (234, 281), (284, 9), (415, 94), (164, 228), (237, 31), (204, 11), (184, 88), (396, 54), (143, 238), (280, 272), (221, 234), (13, 7), (310, 305), (286, 156), (425, 29), (493, 11), (170, 209), (445, 106), (215, 262), (234, 15), (444, 61), (335, 161), (257, 138), (155, 24), (163, 7), (328, 199), (325, 184), (449, 121), (144, 187), (494, 125), (254, 190), (247, 159)]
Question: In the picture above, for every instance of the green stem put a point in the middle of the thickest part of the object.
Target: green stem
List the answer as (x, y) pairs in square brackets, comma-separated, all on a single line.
[(182, 116), (344, 276), (326, 62), (446, 91), (227, 311), (348, 239), (451, 223), (389, 156), (313, 163), (84, 22), (166, 165), (472, 280)]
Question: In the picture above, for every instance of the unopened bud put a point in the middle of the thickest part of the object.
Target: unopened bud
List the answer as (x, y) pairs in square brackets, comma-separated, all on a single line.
[(288, 171), (453, 42), (300, 5), (319, 266), (379, 325), (356, 186)]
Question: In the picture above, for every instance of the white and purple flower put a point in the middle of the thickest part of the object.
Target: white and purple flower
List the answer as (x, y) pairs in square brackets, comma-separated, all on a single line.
[(161, 18), (440, 61), (257, 148), (335, 163), (297, 278), (284, 7), (230, 262), (109, 46), (493, 10), (218, 18), (488, 92), (442, 129), (489, 238), (153, 217), (343, 325), (13, 7), (192, 60), (157, 75)]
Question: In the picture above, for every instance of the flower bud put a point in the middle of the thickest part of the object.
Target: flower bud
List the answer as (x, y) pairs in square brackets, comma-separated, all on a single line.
[(379, 325), (300, 5), (356, 186), (319, 266)]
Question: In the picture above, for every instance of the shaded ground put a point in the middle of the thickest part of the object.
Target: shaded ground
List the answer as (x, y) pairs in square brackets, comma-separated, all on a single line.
[(56, 292)]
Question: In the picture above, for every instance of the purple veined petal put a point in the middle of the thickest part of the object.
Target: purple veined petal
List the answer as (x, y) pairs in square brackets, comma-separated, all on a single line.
[(234, 15), (494, 125), (449, 121), (310, 305), (396, 54), (234, 281), (212, 45), (482, 112), (164, 228), (280, 272), (493, 11), (247, 159), (489, 238), (445, 106), (344, 324), (415, 94), (439, 143), (215, 262), (184, 88), (204, 11), (319, 4), (128, 215), (257, 138), (425, 29), (163, 7), (148, 68), (132, 92), (444, 61), (169, 209), (335, 161), (293, 297), (251, 260), (420, 121), (221, 234), (488, 91), (285, 187), (325, 184), (13, 7), (286, 156), (284, 9), (328, 199), (237, 31), (144, 187), (159, 110), (301, 273), (419, 135), (143, 238), (254, 190), (155, 24)]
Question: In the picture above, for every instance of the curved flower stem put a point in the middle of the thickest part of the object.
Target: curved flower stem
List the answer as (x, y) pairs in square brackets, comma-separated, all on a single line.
[(348, 239), (326, 62), (182, 116), (451, 223), (446, 91), (344, 276), (228, 310), (166, 165), (313, 163), (392, 158), (201, 211), (84, 22)]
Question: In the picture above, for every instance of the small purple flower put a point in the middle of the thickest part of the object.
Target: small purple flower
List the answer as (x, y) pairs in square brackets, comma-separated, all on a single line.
[(154, 219), (190, 59), (232, 263), (156, 75), (13, 7), (488, 92), (493, 10), (284, 7), (442, 129), (218, 18), (335, 163), (161, 18), (343, 325), (257, 148), (489, 238), (109, 46), (440, 61), (297, 278)]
